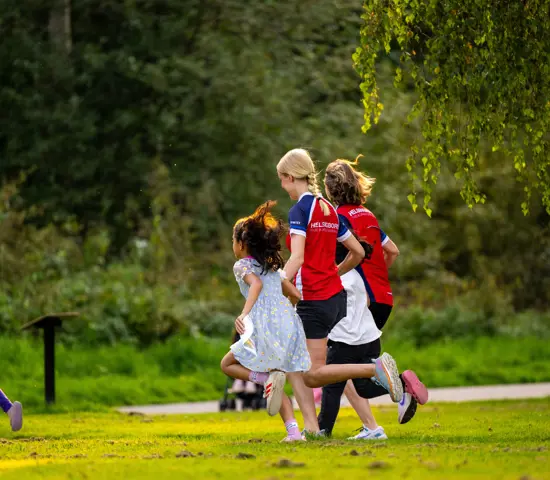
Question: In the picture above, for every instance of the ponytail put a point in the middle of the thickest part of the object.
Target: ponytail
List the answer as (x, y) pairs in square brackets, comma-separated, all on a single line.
[(313, 187)]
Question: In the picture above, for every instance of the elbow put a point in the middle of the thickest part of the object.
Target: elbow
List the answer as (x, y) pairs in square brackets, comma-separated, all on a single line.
[(299, 259)]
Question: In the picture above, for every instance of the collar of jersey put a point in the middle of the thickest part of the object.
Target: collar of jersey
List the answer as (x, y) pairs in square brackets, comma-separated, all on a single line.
[(309, 193)]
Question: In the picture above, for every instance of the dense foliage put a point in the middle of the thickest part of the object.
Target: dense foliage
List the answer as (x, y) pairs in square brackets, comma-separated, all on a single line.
[(126, 158), (480, 69)]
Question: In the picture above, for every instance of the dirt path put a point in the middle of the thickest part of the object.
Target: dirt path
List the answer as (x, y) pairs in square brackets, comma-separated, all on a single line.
[(453, 394)]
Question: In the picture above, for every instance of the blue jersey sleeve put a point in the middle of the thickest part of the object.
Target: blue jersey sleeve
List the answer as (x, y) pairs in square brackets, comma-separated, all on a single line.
[(298, 220), (344, 228), (383, 237)]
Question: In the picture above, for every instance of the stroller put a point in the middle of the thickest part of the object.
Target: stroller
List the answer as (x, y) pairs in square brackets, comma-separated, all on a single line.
[(249, 395)]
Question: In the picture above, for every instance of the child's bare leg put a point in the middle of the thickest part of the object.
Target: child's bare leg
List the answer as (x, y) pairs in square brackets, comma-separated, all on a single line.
[(291, 425), (304, 397), (234, 369), (286, 412), (360, 405)]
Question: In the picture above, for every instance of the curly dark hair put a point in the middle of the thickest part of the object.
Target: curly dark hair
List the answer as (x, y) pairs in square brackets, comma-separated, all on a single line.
[(261, 234), (342, 251)]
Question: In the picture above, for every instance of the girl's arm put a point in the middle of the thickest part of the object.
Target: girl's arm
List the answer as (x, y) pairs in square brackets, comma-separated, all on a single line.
[(291, 292), (354, 257), (391, 252), (256, 286), (296, 260)]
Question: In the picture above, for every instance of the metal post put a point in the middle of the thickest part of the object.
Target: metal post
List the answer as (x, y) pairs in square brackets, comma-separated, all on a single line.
[(49, 362), (48, 323)]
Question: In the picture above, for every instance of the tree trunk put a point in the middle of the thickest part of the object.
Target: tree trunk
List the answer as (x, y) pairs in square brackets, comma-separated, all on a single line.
[(60, 25)]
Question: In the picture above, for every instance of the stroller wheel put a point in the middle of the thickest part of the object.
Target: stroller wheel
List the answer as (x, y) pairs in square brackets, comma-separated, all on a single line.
[(231, 404), (223, 405)]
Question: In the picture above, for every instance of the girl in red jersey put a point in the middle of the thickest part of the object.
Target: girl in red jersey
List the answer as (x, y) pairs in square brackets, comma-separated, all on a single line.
[(349, 190), (314, 232)]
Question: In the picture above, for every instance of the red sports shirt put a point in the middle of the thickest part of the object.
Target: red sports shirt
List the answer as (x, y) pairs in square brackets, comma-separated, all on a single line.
[(318, 277), (373, 270)]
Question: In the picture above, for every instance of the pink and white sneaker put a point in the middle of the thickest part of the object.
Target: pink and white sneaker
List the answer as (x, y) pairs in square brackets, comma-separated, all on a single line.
[(415, 387)]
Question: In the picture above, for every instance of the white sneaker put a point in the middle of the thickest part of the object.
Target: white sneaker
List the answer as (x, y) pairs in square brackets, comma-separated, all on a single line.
[(406, 408), (274, 388), (367, 434), (16, 416)]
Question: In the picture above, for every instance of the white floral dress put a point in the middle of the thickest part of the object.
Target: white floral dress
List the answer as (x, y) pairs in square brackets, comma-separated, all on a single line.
[(278, 337)]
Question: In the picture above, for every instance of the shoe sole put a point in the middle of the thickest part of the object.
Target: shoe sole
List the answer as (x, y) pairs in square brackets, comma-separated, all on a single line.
[(391, 372), (16, 419), (275, 399), (415, 387), (409, 412)]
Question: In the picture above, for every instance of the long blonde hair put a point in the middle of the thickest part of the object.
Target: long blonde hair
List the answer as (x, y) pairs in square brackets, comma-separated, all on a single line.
[(298, 164), (346, 185)]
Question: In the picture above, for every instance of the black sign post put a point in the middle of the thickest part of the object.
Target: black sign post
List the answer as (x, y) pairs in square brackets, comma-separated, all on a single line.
[(48, 323)]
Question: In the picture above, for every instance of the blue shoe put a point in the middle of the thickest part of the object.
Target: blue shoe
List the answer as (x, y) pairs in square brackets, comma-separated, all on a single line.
[(387, 376)]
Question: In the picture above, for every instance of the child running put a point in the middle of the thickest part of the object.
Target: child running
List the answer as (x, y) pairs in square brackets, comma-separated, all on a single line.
[(277, 344), (13, 410), (314, 231), (349, 190), (356, 339)]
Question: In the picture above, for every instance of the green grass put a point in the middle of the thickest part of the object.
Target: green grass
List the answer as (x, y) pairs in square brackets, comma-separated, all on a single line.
[(183, 369), (501, 440)]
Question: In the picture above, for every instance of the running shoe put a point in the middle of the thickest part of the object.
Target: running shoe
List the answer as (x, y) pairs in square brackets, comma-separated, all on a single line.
[(15, 413), (273, 391), (387, 376), (415, 387), (366, 434), (406, 408)]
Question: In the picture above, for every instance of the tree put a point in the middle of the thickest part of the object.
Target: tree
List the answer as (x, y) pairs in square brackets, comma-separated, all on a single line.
[(480, 70)]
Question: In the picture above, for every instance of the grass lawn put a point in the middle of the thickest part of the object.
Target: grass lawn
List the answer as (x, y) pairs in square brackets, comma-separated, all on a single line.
[(187, 370), (501, 440)]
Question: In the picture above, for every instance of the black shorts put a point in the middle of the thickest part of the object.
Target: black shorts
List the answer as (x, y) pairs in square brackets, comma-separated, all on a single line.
[(342, 353), (320, 316), (381, 312)]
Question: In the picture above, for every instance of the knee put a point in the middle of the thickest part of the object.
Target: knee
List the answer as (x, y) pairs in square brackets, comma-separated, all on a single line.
[(311, 380), (223, 365)]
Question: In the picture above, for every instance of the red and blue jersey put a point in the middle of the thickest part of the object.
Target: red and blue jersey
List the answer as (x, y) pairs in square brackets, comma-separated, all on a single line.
[(373, 269), (318, 277)]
